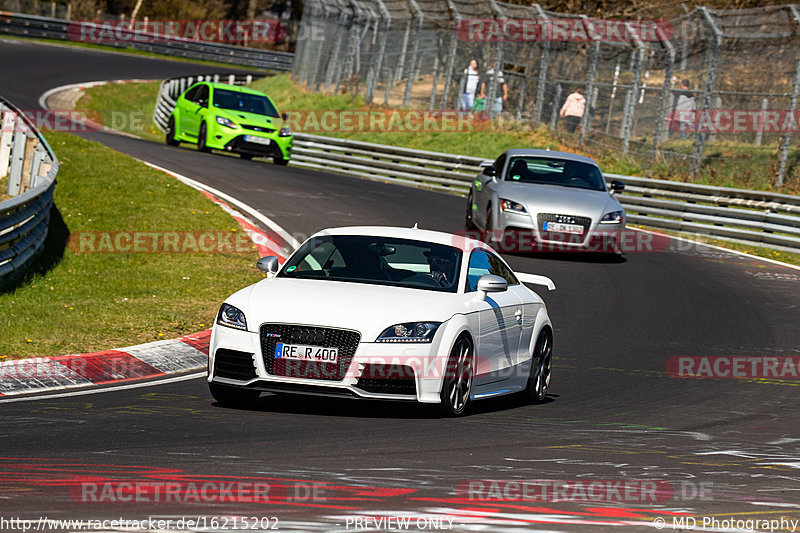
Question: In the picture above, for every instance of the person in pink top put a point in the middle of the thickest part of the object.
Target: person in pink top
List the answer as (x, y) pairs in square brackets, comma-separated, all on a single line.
[(572, 110)]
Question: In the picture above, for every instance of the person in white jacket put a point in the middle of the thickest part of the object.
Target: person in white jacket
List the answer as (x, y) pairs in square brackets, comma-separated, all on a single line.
[(685, 107), (573, 108), (469, 85)]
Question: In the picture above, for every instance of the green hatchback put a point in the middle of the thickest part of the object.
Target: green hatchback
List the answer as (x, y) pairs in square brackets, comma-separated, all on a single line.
[(231, 118)]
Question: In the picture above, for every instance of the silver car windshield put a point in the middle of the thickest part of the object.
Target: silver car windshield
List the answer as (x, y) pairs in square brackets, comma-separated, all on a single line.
[(378, 261), (551, 171)]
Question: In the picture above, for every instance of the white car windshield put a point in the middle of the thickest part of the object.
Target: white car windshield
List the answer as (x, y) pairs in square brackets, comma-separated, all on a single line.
[(377, 260), (550, 171)]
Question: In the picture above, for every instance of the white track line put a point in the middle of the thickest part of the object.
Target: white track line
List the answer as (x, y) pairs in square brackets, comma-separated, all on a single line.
[(255, 213), (721, 248), (105, 389)]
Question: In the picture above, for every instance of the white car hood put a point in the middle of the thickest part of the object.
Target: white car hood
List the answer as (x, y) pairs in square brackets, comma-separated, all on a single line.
[(366, 308), (559, 200)]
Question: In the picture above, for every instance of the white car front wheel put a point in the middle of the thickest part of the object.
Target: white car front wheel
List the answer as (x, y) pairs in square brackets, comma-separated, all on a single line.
[(457, 380)]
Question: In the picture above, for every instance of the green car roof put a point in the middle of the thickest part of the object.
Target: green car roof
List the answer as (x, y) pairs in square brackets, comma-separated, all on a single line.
[(235, 88)]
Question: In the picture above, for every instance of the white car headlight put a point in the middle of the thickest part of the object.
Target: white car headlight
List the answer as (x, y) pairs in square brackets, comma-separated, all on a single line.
[(614, 217), (231, 317), (512, 206), (228, 123), (410, 332)]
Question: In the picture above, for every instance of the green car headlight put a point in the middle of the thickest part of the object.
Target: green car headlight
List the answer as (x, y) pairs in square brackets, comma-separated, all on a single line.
[(228, 123)]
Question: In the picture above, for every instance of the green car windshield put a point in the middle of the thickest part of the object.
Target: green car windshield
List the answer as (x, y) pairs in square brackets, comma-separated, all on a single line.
[(245, 102)]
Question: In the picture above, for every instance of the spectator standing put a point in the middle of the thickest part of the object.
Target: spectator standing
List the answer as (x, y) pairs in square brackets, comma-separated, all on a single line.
[(501, 87), (469, 85), (684, 108), (572, 110)]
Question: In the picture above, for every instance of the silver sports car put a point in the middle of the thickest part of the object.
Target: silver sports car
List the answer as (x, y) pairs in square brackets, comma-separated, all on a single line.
[(542, 200)]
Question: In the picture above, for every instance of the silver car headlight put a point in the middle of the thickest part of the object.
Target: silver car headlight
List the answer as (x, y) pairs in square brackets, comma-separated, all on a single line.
[(228, 123), (231, 317), (614, 217), (512, 206), (410, 332)]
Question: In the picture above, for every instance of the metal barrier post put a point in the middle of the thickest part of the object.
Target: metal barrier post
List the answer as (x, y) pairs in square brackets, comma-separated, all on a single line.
[(665, 102), (556, 107), (413, 64), (711, 80), (760, 132), (787, 135), (6, 136), (588, 113), (17, 157), (541, 84)]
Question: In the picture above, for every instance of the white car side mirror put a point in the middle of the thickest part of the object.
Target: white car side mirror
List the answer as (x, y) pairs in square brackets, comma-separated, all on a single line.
[(491, 283), (269, 265)]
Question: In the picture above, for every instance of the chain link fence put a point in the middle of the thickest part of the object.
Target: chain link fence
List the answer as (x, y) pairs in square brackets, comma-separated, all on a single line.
[(742, 69)]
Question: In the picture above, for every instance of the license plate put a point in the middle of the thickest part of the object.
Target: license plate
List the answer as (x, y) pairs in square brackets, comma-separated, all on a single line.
[(563, 228), (302, 352), (257, 140)]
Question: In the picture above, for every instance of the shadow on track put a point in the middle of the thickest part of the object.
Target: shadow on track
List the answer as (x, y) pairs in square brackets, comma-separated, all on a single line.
[(353, 408)]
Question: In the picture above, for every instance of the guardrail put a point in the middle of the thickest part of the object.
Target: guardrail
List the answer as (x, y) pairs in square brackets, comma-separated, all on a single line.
[(753, 217), (51, 28), (30, 166)]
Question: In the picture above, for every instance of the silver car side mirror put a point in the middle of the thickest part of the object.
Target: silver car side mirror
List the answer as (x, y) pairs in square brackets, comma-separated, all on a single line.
[(491, 283), (269, 265)]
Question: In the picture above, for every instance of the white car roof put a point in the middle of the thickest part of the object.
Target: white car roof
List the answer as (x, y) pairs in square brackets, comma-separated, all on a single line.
[(457, 241)]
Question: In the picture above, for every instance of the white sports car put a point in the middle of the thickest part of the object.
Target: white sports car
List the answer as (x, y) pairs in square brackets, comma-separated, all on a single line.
[(384, 313)]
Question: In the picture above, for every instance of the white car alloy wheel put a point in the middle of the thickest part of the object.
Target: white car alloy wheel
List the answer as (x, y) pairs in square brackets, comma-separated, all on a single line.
[(457, 384), (541, 366)]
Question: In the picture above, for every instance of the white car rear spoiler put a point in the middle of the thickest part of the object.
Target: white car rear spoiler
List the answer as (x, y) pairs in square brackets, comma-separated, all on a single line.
[(536, 280)]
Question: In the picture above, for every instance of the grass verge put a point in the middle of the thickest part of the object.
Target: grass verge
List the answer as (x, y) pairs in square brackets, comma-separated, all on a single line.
[(126, 107), (82, 302), (4, 188)]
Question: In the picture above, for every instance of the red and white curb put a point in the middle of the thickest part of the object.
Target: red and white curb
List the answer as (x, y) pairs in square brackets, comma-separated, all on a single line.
[(142, 361)]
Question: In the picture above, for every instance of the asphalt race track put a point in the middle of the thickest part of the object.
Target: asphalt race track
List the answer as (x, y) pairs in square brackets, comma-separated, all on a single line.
[(718, 448)]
